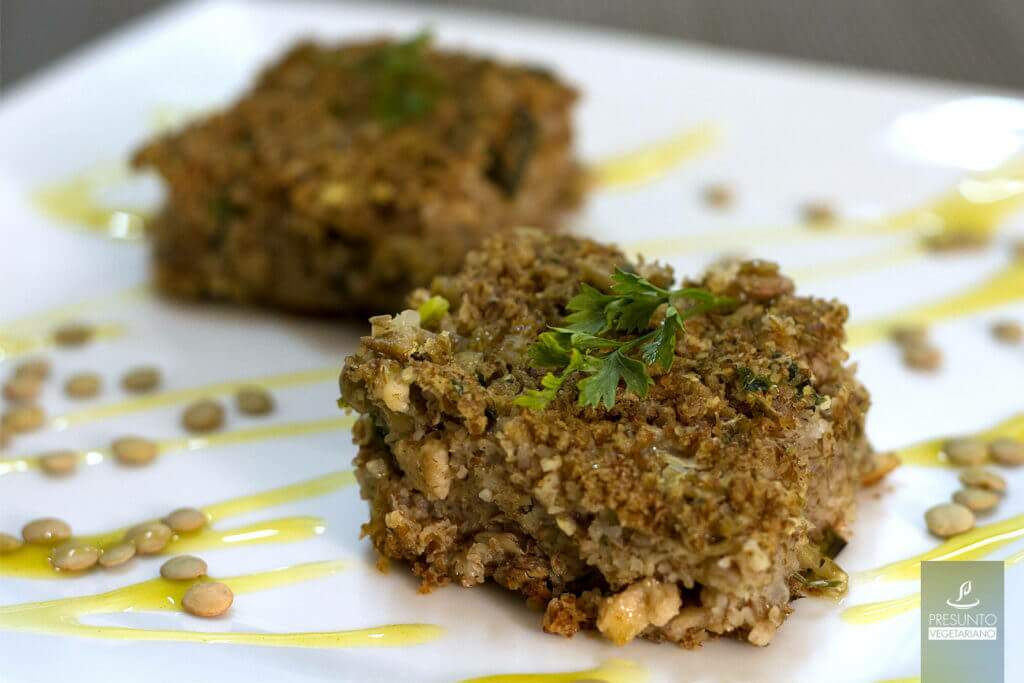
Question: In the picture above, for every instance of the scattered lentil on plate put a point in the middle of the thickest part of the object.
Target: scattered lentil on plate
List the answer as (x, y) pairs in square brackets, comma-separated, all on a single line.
[(149, 538), (183, 568), (117, 554), (908, 335), (185, 520), (923, 357), (719, 195), (23, 418), (965, 452), (9, 543), (58, 463), (976, 500), (83, 385), (1008, 331), (949, 519), (22, 389), (36, 368), (205, 415), (74, 557), (254, 401), (1007, 451), (818, 214), (207, 599), (73, 334), (981, 478), (134, 450), (46, 531), (141, 379)]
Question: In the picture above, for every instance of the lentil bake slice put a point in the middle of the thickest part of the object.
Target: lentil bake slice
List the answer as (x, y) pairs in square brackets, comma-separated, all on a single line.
[(693, 512), (349, 175)]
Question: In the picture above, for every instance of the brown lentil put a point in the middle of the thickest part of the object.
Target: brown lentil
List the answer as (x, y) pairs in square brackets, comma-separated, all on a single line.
[(254, 401), (59, 463), (134, 450), (881, 465), (83, 385), (976, 500), (74, 557), (117, 554), (1007, 451), (23, 418), (184, 520), (205, 415), (981, 478), (909, 335), (949, 519), (719, 195), (183, 568), (964, 452), (22, 389), (207, 599), (141, 380), (9, 543), (818, 214), (46, 531), (923, 357), (73, 334), (149, 538), (1008, 331), (37, 368)]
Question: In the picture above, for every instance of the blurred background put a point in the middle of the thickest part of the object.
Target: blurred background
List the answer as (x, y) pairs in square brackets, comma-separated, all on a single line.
[(975, 41)]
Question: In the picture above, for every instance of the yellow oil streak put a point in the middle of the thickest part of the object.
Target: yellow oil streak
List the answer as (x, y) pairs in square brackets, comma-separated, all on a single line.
[(874, 612), (63, 617), (14, 344), (971, 545), (74, 202), (176, 396), (194, 443), (876, 260), (652, 162), (32, 561), (75, 311), (930, 453), (1006, 286), (610, 671)]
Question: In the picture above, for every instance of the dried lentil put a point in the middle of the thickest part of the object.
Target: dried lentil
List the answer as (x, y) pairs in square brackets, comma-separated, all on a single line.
[(184, 520), (1008, 331), (923, 357), (976, 500), (59, 463), (964, 452), (207, 599), (134, 450), (719, 195), (949, 519), (22, 389), (117, 554), (254, 401), (141, 380), (9, 543), (73, 334), (981, 478), (23, 418), (46, 531), (83, 385), (206, 415), (183, 568), (149, 538), (37, 368), (818, 214), (1007, 451), (74, 557)]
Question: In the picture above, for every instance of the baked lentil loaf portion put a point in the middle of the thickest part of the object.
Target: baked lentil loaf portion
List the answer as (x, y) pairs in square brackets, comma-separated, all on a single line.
[(679, 516), (347, 176)]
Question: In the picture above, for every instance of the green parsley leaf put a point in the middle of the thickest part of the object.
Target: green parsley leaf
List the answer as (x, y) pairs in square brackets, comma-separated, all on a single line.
[(433, 309), (601, 386), (405, 87), (661, 349), (550, 350)]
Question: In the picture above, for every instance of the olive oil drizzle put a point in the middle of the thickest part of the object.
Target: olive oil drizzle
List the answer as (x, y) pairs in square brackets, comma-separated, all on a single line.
[(73, 202), (177, 396), (63, 616), (187, 444), (873, 612), (32, 561), (609, 671), (653, 162), (14, 344), (1004, 287), (930, 453)]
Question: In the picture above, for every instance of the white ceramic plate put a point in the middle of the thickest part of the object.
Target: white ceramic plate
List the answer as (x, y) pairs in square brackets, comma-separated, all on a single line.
[(789, 133)]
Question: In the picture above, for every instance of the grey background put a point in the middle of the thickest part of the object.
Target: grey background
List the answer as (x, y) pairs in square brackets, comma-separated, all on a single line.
[(979, 41)]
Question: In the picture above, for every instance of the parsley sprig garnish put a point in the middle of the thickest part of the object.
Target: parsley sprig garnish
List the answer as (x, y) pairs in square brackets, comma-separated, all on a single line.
[(608, 339), (405, 86)]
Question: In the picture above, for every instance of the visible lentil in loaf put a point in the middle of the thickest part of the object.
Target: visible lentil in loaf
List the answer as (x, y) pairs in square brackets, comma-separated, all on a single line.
[(299, 196), (677, 517)]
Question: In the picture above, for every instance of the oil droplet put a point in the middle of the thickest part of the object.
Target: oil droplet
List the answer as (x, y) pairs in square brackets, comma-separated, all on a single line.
[(177, 396), (74, 202), (610, 671), (1006, 286), (930, 453), (971, 545), (653, 162), (191, 443), (32, 561), (63, 616)]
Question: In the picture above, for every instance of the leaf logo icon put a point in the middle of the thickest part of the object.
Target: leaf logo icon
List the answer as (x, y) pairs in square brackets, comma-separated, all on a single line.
[(965, 590)]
